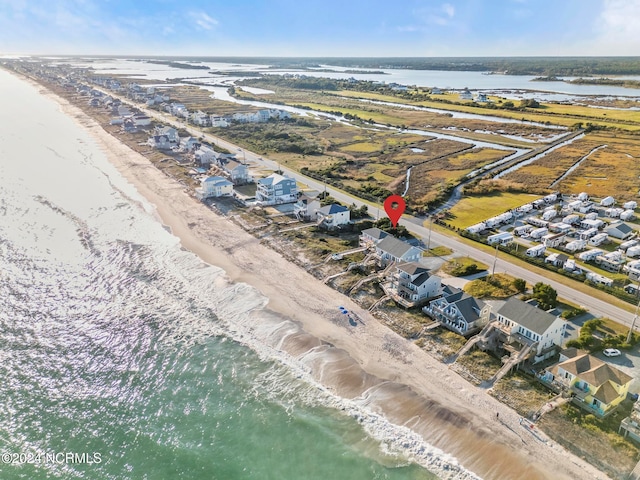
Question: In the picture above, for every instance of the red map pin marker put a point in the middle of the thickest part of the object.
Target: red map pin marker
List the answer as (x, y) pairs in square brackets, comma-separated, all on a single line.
[(394, 205)]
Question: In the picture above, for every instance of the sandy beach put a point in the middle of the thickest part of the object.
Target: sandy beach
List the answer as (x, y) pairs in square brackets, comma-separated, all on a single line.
[(398, 379)]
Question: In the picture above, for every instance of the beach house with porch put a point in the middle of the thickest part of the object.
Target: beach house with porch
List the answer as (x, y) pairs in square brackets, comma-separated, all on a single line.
[(306, 208), (411, 284), (276, 189), (522, 325), (391, 250), (333, 216), (214, 187), (595, 385), (372, 236), (459, 312)]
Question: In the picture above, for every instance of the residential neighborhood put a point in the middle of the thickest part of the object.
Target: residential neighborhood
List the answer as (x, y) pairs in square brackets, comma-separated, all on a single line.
[(485, 325)]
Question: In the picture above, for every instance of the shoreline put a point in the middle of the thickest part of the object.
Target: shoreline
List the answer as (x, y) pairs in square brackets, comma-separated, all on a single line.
[(461, 415)]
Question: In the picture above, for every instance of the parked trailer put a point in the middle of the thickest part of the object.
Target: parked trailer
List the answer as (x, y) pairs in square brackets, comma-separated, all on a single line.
[(503, 238), (590, 254), (633, 252), (607, 201), (536, 251), (631, 205), (599, 279), (549, 215), (628, 244), (522, 230), (627, 215), (538, 233)]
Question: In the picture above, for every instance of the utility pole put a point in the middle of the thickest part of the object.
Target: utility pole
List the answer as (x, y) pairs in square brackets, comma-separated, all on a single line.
[(635, 317), (429, 237), (495, 259)]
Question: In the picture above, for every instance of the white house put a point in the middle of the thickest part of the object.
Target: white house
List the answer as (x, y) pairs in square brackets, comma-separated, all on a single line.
[(141, 120), (412, 284), (277, 189), (215, 187), (170, 132), (333, 216), (529, 325), (392, 250), (459, 312), (201, 119), (306, 208), (238, 172), (205, 155), (372, 236), (466, 95)]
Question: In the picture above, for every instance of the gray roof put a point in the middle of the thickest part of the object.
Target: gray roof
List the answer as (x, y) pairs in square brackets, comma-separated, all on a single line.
[(331, 209), (394, 247), (530, 317), (420, 279), (621, 227), (468, 306), (375, 233), (273, 179), (412, 268)]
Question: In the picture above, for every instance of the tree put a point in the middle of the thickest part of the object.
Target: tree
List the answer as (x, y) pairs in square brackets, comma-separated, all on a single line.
[(520, 285), (546, 295)]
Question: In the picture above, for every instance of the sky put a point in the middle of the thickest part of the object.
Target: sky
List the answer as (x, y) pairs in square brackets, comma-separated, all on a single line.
[(371, 28)]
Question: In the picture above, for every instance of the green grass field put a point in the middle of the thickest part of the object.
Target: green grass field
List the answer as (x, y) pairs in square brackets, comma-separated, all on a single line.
[(472, 210)]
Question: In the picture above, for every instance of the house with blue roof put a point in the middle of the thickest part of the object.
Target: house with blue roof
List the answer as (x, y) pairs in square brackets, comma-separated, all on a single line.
[(276, 189), (333, 216)]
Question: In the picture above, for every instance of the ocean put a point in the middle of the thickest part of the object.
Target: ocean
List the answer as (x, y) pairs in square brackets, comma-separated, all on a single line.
[(124, 356)]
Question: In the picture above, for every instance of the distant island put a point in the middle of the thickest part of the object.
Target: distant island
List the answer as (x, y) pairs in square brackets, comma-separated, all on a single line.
[(536, 66), (549, 78), (179, 65), (606, 81)]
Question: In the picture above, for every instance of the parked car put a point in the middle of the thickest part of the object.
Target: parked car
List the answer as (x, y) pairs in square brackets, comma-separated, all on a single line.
[(611, 352)]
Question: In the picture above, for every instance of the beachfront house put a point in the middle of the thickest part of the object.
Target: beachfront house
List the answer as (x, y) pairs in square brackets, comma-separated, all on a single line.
[(391, 250), (333, 216), (411, 284), (238, 172), (204, 156), (306, 208), (595, 385), (214, 187), (170, 132), (371, 237), (276, 189), (459, 312), (525, 326)]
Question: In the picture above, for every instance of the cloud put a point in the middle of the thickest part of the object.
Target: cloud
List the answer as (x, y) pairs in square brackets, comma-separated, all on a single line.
[(203, 21), (617, 28), (441, 15)]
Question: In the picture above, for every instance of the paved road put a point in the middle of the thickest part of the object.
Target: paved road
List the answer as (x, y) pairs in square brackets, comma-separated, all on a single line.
[(414, 225)]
